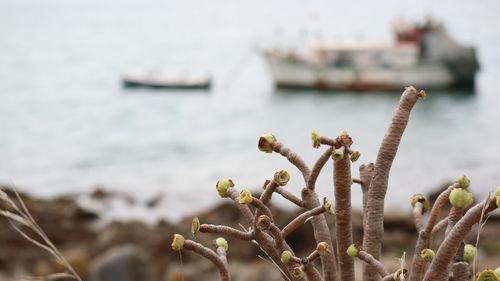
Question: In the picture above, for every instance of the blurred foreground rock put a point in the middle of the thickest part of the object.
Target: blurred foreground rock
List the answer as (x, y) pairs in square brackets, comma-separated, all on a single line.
[(135, 250), (124, 263)]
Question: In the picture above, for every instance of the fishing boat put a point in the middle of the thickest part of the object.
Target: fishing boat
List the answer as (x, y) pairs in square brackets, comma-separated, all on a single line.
[(423, 55), (166, 79)]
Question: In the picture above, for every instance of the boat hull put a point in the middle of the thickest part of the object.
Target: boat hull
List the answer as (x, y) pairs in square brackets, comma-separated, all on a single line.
[(294, 73)]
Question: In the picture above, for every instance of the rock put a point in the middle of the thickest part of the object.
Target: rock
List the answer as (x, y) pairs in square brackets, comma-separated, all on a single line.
[(124, 263)]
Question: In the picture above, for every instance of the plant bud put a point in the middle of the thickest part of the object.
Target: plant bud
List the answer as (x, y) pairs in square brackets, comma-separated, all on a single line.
[(266, 142), (195, 226), (427, 255), (263, 222), (222, 186), (469, 253), (178, 242), (297, 272), (322, 248), (355, 156), (281, 178), (422, 95), (344, 138), (286, 256), (486, 275), (315, 139), (422, 199), (463, 181), (497, 272), (352, 251), (338, 154), (245, 197), (221, 242), (400, 275), (327, 206), (460, 198)]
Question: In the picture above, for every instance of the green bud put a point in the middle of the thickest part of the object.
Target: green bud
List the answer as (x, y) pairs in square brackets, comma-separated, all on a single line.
[(322, 248), (178, 242), (315, 139), (195, 226), (221, 242), (352, 251), (355, 156), (327, 206), (286, 256), (460, 198), (263, 222), (222, 186), (463, 181), (400, 275), (344, 138), (427, 255), (245, 197), (497, 191), (422, 95), (497, 271), (338, 154), (469, 253), (422, 199), (266, 142), (297, 272), (486, 275), (281, 178)]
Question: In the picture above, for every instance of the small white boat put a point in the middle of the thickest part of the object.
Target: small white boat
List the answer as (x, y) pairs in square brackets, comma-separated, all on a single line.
[(166, 79), (423, 55)]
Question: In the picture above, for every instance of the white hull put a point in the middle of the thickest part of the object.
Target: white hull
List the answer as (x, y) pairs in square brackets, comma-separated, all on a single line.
[(301, 74)]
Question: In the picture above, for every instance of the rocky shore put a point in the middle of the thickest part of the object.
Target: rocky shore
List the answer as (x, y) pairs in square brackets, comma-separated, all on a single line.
[(135, 250)]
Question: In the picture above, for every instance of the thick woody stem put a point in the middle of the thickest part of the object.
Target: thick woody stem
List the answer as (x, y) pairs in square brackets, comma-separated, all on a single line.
[(453, 218), (417, 216), (366, 174), (441, 201), (261, 208), (438, 270), (442, 224), (211, 256), (221, 252), (226, 230), (369, 259), (266, 196), (312, 256), (294, 158), (358, 181), (374, 231), (300, 220), (425, 236), (342, 181), (461, 271), (292, 198), (329, 141), (312, 273), (318, 166), (321, 233), (278, 238), (266, 242)]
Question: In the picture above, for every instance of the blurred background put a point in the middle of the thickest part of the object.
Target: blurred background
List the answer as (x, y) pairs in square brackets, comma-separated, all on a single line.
[(68, 126)]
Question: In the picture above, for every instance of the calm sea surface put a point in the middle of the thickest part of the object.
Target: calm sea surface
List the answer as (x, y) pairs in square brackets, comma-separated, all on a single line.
[(67, 125)]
